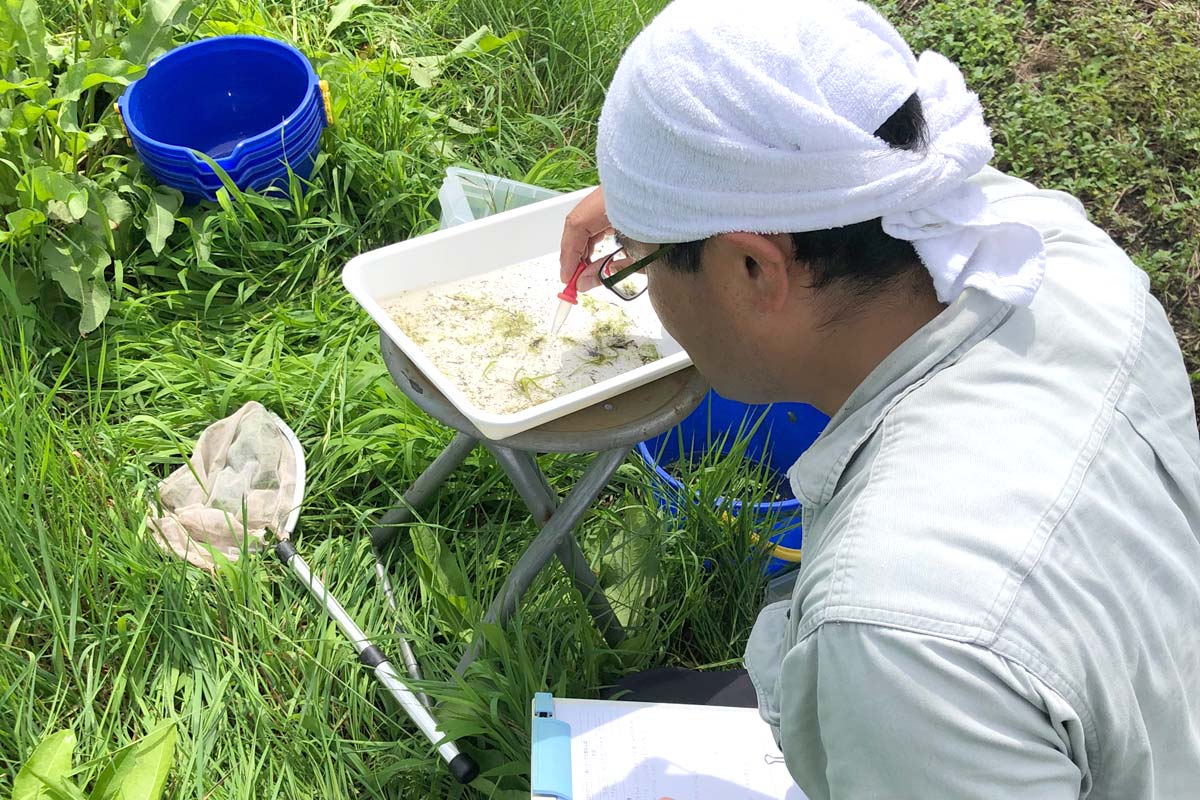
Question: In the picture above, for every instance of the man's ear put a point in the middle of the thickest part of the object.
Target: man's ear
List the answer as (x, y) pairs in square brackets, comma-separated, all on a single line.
[(765, 257)]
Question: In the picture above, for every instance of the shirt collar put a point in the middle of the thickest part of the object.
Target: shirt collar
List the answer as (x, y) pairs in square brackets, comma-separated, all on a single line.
[(937, 345)]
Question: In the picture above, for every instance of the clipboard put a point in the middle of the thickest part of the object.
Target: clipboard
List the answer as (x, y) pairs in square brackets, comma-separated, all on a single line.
[(625, 750)]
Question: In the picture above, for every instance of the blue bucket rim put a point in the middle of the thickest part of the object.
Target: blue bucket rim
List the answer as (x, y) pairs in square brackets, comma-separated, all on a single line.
[(268, 173), (775, 507), (210, 179), (213, 181), (310, 113), (304, 129), (194, 193), (235, 154), (302, 144)]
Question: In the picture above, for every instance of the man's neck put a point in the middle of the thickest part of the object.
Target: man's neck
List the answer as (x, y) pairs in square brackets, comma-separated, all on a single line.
[(856, 346)]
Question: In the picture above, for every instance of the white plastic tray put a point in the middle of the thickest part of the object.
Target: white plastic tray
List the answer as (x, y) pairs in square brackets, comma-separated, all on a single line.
[(377, 277)]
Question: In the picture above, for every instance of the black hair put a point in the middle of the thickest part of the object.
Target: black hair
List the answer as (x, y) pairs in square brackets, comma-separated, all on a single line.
[(860, 257)]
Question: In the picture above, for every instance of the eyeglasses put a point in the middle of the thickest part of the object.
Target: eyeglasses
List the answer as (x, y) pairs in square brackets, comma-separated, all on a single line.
[(627, 280)]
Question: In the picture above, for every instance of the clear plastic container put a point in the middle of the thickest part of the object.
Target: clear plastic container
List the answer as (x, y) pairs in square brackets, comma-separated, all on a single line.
[(467, 195)]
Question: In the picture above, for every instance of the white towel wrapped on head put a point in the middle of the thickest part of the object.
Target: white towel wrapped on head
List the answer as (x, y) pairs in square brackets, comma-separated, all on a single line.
[(759, 115)]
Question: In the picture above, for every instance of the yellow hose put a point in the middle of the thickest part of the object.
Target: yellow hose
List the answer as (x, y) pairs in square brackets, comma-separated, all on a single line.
[(789, 554), (124, 127), (327, 101)]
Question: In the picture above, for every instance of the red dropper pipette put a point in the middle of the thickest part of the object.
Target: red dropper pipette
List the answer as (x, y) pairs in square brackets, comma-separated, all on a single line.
[(568, 297)]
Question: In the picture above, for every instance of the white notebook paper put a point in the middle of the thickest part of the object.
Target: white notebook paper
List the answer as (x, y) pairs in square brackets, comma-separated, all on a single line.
[(648, 751)]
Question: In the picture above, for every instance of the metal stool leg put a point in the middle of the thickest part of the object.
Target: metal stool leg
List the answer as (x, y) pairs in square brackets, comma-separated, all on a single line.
[(555, 538), (422, 489), (522, 468)]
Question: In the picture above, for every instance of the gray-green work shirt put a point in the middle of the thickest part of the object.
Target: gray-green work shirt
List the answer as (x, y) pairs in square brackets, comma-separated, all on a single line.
[(1000, 594)]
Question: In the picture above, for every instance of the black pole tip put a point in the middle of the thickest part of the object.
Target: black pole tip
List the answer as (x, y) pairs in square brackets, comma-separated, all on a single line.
[(284, 550), (463, 768)]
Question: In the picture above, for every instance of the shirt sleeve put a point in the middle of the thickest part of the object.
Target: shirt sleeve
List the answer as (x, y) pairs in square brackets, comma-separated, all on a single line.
[(873, 712)]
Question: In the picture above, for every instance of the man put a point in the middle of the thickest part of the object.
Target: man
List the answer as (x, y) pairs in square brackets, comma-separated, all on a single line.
[(1000, 594)]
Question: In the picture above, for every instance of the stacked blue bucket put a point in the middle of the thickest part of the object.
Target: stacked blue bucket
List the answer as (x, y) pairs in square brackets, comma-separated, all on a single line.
[(773, 436), (253, 105)]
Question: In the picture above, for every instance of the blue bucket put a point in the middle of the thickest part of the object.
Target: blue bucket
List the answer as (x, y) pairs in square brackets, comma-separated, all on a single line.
[(774, 435), (299, 155), (296, 137), (253, 105)]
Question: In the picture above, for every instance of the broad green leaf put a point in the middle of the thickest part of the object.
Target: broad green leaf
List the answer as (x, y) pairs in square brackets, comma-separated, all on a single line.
[(21, 222), (342, 12), (155, 754), (26, 285), (83, 75), (47, 183), (110, 779), (139, 772), (631, 565), (58, 211), (33, 88), (472, 41), (21, 23), (79, 269), (444, 579), (49, 762), (489, 41), (202, 238), (423, 69), (77, 205), (462, 127), (94, 306), (442, 148), (255, 25), (60, 263), (116, 208), (62, 50), (160, 216), (151, 33), (65, 196), (75, 139), (24, 117), (95, 222), (483, 41)]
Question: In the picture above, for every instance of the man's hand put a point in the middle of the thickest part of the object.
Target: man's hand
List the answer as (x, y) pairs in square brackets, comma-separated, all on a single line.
[(586, 225)]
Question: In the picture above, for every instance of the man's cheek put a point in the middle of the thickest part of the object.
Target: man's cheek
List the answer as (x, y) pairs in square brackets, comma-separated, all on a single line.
[(659, 304), (672, 318), (675, 309)]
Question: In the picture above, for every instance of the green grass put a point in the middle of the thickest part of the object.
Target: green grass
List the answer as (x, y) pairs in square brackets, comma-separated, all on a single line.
[(103, 635)]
